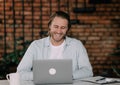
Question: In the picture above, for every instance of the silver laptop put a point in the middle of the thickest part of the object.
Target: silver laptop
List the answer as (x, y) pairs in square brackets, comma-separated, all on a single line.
[(52, 71)]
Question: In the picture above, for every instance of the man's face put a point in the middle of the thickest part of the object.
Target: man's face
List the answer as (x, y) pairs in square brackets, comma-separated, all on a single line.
[(58, 29)]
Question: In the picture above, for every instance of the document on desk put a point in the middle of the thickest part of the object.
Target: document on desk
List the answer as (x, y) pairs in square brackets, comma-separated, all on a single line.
[(101, 80)]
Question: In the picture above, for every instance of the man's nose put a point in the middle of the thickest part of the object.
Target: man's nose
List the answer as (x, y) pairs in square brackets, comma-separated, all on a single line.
[(59, 30)]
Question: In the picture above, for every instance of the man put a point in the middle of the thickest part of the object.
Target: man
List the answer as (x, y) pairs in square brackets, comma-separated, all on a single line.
[(57, 46)]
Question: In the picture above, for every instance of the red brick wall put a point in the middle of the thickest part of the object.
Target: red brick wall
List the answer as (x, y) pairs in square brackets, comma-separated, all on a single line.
[(98, 30)]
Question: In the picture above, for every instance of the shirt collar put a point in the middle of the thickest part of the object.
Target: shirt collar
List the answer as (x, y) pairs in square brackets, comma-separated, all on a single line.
[(67, 41)]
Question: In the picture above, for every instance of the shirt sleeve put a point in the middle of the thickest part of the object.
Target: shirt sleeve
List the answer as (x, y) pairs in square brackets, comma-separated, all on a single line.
[(25, 65), (84, 67)]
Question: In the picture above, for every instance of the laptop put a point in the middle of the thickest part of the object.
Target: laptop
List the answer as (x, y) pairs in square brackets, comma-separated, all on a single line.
[(52, 71)]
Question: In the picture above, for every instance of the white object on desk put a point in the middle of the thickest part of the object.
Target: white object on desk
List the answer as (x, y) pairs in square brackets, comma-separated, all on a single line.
[(13, 78), (102, 80)]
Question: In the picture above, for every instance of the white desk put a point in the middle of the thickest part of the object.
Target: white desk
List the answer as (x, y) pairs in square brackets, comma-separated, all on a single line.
[(75, 82)]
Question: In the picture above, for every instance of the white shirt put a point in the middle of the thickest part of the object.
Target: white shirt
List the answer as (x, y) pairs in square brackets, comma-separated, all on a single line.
[(57, 51)]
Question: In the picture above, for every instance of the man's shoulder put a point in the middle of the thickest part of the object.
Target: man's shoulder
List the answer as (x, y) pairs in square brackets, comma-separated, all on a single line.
[(40, 41), (71, 39)]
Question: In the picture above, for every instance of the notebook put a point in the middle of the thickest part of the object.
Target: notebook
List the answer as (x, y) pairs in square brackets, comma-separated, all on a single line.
[(52, 71)]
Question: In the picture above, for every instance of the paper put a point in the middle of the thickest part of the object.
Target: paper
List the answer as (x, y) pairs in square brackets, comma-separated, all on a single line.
[(101, 80)]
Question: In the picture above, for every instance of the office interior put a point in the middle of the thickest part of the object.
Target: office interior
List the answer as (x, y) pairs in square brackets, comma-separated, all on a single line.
[(95, 22)]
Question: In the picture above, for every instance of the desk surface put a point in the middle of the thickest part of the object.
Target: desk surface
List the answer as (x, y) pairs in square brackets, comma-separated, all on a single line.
[(75, 82)]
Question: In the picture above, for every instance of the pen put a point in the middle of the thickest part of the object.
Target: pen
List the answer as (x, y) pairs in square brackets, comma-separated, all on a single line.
[(100, 79)]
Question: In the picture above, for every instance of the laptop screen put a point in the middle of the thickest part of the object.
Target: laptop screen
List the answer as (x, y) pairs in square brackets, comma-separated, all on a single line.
[(52, 71)]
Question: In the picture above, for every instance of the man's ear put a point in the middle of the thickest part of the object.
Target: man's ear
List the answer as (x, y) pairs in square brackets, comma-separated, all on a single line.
[(49, 28)]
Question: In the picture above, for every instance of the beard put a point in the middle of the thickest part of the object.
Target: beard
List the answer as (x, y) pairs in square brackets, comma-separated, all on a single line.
[(57, 37)]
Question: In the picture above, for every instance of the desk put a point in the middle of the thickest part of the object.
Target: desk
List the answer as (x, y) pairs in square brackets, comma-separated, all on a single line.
[(75, 82)]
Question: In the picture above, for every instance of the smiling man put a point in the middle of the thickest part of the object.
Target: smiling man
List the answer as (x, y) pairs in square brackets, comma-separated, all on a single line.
[(57, 46), (58, 29)]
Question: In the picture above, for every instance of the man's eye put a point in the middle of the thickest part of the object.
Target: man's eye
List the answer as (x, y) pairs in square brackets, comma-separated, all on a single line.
[(55, 26), (63, 27)]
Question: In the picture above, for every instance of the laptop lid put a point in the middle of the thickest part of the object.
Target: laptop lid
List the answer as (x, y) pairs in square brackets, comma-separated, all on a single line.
[(52, 71)]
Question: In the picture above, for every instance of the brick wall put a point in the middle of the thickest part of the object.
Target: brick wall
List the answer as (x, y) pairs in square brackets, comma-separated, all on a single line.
[(99, 30)]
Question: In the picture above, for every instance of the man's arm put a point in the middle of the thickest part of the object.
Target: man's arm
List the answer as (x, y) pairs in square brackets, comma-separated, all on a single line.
[(25, 66), (84, 67)]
